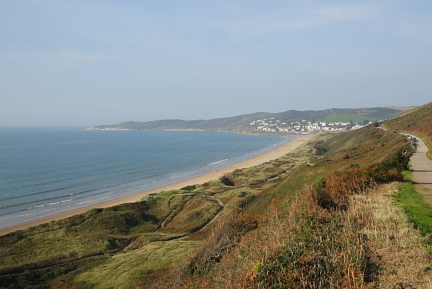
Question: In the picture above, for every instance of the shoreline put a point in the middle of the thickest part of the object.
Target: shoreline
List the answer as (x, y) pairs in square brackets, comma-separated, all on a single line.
[(268, 156)]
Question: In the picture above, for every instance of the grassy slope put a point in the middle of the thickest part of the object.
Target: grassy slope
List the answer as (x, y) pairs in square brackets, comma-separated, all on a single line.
[(135, 244), (417, 121), (87, 238), (347, 118), (299, 233)]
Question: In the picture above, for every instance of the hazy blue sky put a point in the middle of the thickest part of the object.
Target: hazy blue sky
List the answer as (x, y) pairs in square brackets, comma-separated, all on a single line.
[(72, 62)]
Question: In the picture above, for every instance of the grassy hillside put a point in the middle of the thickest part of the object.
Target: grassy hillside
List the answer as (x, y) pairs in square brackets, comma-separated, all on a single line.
[(287, 223), (417, 121), (241, 123), (321, 227)]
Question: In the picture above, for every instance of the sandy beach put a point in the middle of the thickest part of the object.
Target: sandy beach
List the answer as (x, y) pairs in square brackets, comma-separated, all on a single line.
[(271, 155)]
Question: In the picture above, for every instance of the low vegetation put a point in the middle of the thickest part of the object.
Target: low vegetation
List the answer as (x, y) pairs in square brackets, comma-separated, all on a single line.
[(418, 211), (304, 233), (327, 215), (360, 117), (417, 122)]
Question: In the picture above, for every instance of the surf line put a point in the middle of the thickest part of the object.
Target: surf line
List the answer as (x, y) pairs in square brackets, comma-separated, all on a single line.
[(217, 162)]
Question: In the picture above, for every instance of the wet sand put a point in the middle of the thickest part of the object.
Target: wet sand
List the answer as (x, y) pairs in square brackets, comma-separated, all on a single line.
[(214, 175)]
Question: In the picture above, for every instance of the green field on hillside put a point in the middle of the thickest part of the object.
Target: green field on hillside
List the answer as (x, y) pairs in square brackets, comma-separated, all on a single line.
[(345, 118)]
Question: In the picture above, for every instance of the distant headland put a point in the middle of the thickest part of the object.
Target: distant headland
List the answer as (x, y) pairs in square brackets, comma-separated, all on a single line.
[(292, 122)]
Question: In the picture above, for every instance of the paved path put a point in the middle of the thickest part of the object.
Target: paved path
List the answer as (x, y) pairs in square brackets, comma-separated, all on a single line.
[(422, 171)]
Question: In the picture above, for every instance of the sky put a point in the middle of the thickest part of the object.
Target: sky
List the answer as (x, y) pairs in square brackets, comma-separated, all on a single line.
[(86, 63)]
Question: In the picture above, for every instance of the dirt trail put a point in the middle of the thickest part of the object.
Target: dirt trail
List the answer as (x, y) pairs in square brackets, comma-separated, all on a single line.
[(422, 171), (215, 216)]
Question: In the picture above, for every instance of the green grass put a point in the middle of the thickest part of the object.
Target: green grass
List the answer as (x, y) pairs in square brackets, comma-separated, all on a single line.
[(345, 118), (128, 269), (418, 211), (195, 214)]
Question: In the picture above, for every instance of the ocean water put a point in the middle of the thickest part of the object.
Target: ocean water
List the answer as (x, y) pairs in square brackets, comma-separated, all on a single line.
[(44, 171)]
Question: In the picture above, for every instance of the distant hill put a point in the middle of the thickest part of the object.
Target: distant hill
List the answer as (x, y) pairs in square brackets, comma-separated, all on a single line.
[(247, 123)]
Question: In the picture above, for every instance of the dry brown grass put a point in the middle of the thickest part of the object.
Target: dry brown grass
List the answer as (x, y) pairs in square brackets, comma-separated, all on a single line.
[(301, 244), (395, 246)]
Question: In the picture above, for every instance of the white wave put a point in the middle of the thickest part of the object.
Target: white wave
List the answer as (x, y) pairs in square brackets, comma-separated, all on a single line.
[(92, 201), (217, 162)]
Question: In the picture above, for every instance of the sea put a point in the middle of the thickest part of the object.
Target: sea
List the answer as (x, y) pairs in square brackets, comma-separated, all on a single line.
[(45, 171)]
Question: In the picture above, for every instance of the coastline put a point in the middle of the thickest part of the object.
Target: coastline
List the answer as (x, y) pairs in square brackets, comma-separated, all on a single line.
[(271, 155)]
